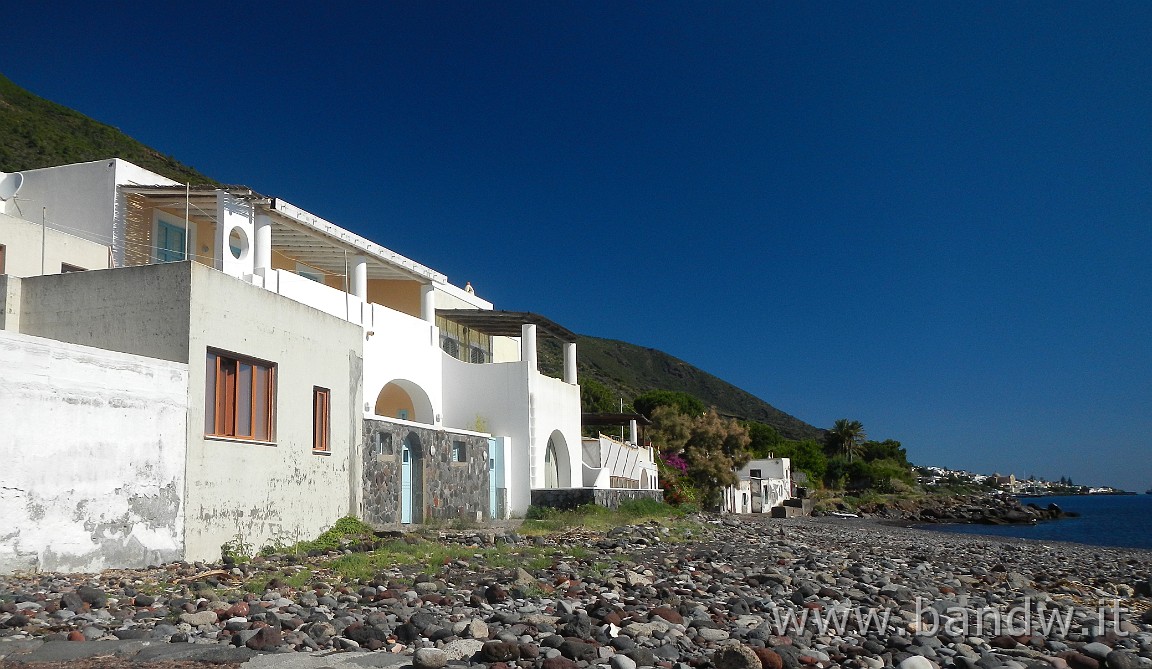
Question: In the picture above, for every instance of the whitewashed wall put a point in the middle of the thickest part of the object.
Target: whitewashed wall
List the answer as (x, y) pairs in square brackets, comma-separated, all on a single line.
[(93, 448), (556, 407), (517, 402), (279, 491), (497, 395)]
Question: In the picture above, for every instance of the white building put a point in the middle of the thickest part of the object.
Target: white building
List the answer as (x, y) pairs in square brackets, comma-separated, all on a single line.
[(230, 366), (624, 463), (762, 485)]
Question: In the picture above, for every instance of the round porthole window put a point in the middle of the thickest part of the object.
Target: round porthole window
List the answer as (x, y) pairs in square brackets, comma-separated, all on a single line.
[(238, 243)]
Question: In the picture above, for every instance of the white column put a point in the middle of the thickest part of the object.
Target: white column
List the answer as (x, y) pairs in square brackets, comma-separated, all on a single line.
[(360, 277), (570, 362), (428, 303), (528, 344), (633, 432), (262, 248)]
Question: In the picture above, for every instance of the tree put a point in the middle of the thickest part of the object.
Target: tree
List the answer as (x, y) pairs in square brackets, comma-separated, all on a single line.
[(846, 437), (765, 439), (681, 402), (806, 456), (889, 449), (595, 397), (713, 448)]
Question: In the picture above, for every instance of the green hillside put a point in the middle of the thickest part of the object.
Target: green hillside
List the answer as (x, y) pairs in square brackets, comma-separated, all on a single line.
[(35, 132), (629, 370)]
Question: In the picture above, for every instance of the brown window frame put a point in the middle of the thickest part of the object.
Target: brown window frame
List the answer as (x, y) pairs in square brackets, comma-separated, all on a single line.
[(223, 392), (321, 420), (3, 248)]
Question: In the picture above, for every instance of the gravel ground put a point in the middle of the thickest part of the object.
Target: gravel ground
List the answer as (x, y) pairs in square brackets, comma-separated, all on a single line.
[(727, 596)]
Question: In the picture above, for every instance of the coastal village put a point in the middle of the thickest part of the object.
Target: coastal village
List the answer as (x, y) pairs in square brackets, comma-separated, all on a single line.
[(353, 425), (361, 398)]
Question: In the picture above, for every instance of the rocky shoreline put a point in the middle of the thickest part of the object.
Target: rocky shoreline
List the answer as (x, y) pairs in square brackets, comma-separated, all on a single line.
[(728, 593), (962, 509)]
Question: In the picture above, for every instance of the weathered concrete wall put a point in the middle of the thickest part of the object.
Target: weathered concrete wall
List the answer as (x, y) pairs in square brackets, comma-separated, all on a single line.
[(32, 250), (138, 310), (10, 294), (570, 498), (448, 490), (93, 457), (281, 490)]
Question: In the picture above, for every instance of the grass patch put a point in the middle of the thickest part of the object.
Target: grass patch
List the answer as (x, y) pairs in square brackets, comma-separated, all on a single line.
[(545, 520), (434, 557), (348, 531)]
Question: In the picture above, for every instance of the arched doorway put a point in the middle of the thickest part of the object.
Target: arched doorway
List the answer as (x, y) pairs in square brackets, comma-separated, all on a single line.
[(405, 400), (411, 480), (557, 472)]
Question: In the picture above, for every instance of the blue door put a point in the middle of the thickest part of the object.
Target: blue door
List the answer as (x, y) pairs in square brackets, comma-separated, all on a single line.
[(497, 491), (169, 242)]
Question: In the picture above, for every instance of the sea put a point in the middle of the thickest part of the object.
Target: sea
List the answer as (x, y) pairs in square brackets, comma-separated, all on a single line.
[(1105, 520)]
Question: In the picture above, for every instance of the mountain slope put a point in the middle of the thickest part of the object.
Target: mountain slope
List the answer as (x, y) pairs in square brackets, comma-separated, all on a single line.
[(35, 132), (629, 370)]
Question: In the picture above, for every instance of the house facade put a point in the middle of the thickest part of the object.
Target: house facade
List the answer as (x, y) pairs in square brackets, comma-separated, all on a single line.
[(300, 373), (762, 485)]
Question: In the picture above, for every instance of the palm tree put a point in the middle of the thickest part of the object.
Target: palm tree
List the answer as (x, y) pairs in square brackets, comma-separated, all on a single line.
[(847, 436)]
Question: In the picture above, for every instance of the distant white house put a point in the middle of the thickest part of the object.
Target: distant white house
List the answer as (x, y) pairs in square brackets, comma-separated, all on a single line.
[(762, 485)]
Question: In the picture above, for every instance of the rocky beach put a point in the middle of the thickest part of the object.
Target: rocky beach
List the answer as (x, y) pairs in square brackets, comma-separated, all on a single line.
[(723, 592)]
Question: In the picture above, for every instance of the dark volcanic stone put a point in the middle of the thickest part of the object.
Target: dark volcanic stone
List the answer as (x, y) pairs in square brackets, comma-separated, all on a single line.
[(578, 650), (266, 638), (406, 633), (1079, 661), (579, 627), (72, 601), (94, 597), (500, 651), (17, 620), (361, 633), (496, 594), (1119, 659), (643, 657), (559, 663)]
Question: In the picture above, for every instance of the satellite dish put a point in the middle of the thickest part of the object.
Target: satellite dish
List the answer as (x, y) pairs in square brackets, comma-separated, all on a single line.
[(10, 184)]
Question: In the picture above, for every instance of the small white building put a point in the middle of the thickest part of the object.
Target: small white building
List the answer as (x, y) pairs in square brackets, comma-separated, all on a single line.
[(182, 367), (763, 485)]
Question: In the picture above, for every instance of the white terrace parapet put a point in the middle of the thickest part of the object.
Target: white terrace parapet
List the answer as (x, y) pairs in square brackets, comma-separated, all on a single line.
[(343, 305)]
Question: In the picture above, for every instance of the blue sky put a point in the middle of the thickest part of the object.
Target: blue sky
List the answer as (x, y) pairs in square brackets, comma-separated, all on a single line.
[(929, 217)]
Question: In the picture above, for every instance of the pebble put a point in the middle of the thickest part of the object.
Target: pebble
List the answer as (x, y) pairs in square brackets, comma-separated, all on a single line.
[(627, 599)]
